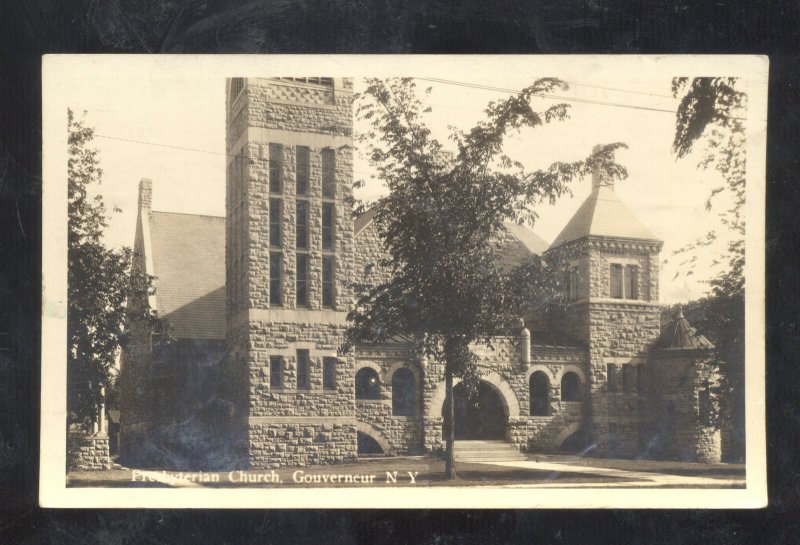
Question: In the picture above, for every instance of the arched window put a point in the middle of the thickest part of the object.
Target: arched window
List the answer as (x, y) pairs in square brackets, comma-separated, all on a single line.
[(368, 384), (539, 390), (570, 387), (403, 392)]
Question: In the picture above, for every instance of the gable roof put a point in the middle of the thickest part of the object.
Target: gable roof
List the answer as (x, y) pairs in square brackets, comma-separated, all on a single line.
[(603, 214), (188, 253)]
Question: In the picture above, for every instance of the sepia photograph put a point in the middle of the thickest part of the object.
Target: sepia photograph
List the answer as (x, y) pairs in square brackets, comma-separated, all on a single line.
[(403, 281)]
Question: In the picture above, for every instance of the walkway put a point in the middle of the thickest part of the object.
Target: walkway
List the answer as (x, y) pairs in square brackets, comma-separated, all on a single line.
[(634, 479)]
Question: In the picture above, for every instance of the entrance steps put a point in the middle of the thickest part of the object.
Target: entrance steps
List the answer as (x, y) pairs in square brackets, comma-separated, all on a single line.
[(487, 451)]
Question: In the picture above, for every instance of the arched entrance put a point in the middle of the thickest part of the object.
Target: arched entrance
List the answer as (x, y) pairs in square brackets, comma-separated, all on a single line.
[(483, 417)]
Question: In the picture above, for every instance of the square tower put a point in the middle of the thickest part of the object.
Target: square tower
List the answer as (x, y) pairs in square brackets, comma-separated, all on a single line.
[(611, 263), (289, 266)]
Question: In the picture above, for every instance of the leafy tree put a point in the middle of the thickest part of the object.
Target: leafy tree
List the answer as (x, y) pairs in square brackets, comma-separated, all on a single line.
[(710, 116), (440, 218), (100, 283)]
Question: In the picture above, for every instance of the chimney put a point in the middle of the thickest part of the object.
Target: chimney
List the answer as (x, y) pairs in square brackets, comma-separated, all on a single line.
[(600, 178), (145, 193)]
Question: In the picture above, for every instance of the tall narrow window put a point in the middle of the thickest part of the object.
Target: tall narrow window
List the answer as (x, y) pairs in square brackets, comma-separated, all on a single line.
[(404, 393), (626, 378), (275, 261), (303, 374), (640, 378), (329, 373), (570, 387), (302, 280), (275, 168), (302, 170), (301, 232), (328, 223), (573, 284), (632, 282), (275, 222), (704, 407), (539, 387), (328, 173), (327, 280), (616, 281), (275, 372)]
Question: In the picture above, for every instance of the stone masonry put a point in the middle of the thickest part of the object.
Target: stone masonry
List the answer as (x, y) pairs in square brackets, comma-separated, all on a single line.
[(88, 452)]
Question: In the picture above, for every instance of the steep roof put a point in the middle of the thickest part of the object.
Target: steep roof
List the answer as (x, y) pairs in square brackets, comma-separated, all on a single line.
[(679, 335), (603, 214), (533, 242), (188, 253)]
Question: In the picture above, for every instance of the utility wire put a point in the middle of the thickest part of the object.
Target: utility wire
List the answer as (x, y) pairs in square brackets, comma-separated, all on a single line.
[(546, 95)]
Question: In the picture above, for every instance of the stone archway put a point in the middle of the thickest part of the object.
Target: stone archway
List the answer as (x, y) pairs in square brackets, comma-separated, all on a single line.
[(484, 417), (507, 395), (375, 434), (497, 402)]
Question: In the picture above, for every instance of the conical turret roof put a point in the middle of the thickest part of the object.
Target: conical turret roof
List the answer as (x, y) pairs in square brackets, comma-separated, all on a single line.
[(679, 335)]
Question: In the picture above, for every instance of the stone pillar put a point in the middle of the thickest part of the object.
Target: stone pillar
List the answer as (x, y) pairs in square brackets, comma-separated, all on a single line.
[(525, 343), (102, 416)]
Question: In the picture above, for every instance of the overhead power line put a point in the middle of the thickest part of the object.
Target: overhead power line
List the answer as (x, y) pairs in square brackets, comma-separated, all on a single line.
[(547, 95)]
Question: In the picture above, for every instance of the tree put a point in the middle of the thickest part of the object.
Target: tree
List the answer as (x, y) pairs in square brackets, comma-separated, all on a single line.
[(710, 113), (100, 283), (438, 222)]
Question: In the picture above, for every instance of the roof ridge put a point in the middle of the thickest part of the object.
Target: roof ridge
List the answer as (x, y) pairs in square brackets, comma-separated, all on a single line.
[(186, 214)]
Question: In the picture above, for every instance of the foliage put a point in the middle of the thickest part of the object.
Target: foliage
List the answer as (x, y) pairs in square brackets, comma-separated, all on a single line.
[(99, 283), (441, 216), (711, 112)]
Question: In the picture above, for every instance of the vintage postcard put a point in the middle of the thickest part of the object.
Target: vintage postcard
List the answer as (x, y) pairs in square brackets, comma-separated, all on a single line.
[(403, 281)]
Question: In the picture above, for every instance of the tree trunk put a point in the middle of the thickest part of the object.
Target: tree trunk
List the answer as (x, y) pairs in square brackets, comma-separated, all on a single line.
[(450, 426)]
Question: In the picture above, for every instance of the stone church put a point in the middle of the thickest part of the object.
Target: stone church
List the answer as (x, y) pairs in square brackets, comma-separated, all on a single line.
[(258, 302)]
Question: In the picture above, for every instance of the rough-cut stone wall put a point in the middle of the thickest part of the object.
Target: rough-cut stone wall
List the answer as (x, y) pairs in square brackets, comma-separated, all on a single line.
[(283, 339), (678, 376), (88, 452), (295, 106), (288, 425), (404, 433), (299, 444)]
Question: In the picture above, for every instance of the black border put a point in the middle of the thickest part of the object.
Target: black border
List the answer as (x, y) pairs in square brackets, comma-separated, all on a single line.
[(36, 27)]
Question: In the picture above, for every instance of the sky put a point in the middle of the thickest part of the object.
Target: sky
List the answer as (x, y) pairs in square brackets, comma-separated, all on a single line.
[(171, 129)]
